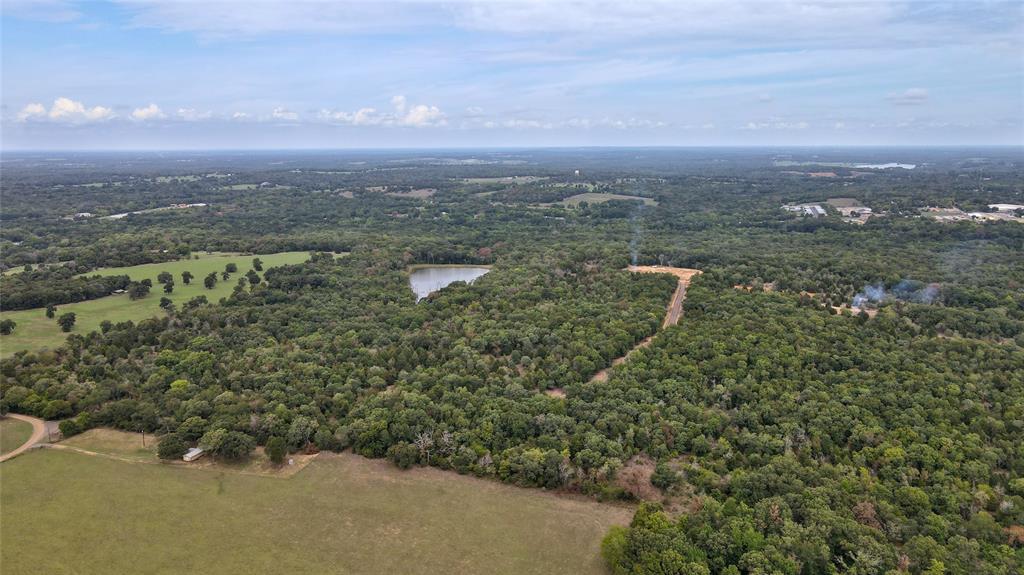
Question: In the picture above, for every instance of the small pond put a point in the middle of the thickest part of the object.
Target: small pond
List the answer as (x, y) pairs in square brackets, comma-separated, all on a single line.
[(426, 280)]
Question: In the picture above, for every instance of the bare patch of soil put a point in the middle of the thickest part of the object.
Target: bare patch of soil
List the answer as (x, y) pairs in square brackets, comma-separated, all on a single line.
[(635, 477)]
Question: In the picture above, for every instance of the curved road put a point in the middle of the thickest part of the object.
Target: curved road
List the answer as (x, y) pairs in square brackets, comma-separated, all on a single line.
[(38, 432)]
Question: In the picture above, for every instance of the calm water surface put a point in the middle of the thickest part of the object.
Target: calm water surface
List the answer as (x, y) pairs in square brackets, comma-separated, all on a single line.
[(427, 280)]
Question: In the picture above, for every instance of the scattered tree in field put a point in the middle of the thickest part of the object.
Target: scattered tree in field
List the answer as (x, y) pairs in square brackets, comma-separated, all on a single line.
[(51, 310), (66, 321), (147, 282), (253, 277), (166, 303), (106, 325), (225, 275), (169, 286), (257, 264), (164, 277), (210, 281), (276, 449), (7, 326), (231, 268), (172, 446), (138, 291), (186, 277)]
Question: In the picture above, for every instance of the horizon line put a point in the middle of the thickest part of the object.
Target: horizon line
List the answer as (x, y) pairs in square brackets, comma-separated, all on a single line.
[(522, 148)]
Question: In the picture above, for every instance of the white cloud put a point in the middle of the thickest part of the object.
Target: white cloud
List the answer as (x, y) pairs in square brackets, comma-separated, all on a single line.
[(776, 124), (418, 116), (32, 111), (239, 116), (421, 116), (284, 114), (193, 115), (65, 110), (150, 112), (909, 97)]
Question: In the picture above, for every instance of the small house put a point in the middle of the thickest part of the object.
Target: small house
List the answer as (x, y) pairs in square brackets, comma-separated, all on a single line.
[(193, 454)]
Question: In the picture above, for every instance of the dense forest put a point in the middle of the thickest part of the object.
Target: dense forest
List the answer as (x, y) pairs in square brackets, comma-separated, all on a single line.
[(774, 430)]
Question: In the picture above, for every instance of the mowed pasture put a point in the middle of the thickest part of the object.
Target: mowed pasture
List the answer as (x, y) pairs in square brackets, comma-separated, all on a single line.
[(36, 332), (600, 198), (69, 512), (13, 433)]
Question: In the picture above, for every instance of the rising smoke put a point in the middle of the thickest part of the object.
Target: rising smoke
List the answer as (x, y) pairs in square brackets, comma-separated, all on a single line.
[(905, 290), (638, 232)]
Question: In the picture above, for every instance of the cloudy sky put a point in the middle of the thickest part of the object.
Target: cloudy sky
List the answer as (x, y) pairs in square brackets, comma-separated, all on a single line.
[(313, 74)]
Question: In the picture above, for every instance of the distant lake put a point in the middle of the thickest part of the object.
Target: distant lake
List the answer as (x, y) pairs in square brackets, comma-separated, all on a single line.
[(426, 280)]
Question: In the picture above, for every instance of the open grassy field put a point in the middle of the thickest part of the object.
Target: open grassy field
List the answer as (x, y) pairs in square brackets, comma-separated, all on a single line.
[(600, 198), (68, 512), (37, 332), (13, 433)]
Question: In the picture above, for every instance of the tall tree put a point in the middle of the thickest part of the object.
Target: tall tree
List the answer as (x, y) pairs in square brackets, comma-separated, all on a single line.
[(66, 321)]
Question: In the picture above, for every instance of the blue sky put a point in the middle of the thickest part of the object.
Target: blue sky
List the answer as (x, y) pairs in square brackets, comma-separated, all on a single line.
[(312, 74)]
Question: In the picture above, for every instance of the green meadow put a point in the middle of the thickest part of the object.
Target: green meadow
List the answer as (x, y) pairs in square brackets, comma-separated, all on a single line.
[(69, 512), (13, 433), (36, 332)]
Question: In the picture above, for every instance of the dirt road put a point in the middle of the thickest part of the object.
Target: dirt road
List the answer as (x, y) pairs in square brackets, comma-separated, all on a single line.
[(672, 314), (38, 433)]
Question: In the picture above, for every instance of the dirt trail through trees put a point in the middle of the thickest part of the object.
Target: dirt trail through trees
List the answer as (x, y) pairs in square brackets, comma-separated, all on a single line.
[(38, 432), (672, 314)]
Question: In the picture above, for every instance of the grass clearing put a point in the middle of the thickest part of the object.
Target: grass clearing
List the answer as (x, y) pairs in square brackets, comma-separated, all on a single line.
[(844, 202), (36, 332), (66, 512), (600, 198), (115, 442), (13, 434)]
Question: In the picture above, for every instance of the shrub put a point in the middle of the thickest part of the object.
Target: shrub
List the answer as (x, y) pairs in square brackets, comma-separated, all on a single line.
[(664, 477), (276, 449), (404, 455), (172, 446)]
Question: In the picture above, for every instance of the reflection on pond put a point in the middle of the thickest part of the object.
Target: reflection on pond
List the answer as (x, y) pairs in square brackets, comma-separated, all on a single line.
[(426, 280)]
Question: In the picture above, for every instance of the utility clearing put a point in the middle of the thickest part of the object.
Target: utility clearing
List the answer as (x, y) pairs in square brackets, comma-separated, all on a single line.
[(672, 314)]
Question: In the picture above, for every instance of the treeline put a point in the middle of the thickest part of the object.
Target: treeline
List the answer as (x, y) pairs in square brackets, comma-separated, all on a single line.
[(55, 285)]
